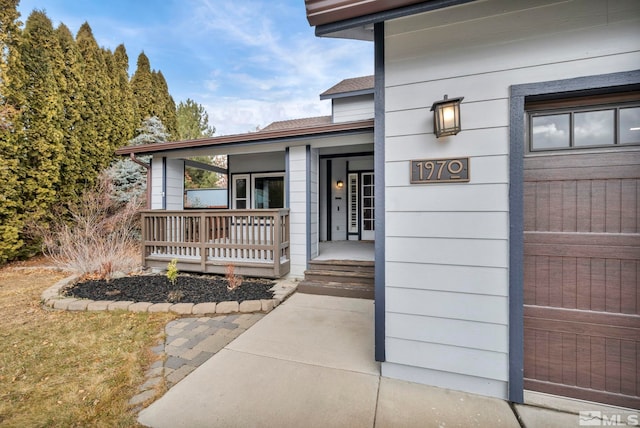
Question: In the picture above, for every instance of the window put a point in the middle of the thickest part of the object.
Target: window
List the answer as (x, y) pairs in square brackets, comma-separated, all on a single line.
[(584, 127), (268, 191), (240, 191), (258, 191)]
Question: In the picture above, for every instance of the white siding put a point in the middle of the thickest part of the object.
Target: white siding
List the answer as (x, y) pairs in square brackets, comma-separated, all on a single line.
[(175, 184), (298, 210), (257, 162), (157, 171), (348, 109), (447, 245), (315, 178)]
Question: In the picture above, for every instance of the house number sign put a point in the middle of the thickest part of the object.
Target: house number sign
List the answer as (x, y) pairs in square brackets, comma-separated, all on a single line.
[(426, 171)]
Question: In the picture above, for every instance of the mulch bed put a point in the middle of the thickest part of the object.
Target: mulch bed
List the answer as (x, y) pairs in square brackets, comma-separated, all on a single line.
[(157, 289)]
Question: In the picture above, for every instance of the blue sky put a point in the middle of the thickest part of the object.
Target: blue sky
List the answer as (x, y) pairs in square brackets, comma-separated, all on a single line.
[(249, 62)]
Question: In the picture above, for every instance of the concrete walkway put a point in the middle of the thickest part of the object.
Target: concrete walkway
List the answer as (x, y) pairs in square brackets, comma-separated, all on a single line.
[(309, 363)]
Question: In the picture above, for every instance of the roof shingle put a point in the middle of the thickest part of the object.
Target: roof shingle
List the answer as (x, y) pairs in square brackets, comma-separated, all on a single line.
[(297, 123), (356, 84)]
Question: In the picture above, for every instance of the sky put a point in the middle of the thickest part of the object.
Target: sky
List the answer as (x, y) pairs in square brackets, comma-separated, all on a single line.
[(248, 62)]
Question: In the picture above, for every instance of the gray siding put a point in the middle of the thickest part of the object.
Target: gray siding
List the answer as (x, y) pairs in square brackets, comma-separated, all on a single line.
[(447, 247)]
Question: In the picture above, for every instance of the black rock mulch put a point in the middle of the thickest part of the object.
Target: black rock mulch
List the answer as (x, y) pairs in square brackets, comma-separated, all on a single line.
[(157, 289)]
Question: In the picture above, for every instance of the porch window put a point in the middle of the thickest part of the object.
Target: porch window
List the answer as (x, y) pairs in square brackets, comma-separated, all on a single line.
[(268, 191), (258, 191)]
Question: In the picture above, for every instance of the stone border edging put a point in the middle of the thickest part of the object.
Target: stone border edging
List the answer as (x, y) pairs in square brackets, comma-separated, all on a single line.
[(51, 297)]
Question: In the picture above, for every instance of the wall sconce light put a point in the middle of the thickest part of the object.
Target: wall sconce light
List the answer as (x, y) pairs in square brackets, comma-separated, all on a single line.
[(446, 116), (340, 184)]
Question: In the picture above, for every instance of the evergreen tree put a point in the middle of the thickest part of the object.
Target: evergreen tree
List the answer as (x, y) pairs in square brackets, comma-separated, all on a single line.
[(10, 200), (128, 178), (164, 106), (152, 130), (123, 98), (41, 146), (193, 121), (71, 87), (142, 88), (95, 128)]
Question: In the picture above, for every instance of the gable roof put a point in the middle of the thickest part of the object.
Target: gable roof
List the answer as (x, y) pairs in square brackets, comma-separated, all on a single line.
[(297, 123), (350, 87), (261, 137)]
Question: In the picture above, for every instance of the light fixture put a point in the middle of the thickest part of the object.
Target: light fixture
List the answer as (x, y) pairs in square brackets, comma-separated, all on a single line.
[(340, 184), (446, 116)]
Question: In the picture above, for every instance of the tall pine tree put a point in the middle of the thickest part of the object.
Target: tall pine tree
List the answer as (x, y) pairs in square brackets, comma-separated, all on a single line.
[(142, 88), (71, 86), (10, 103), (124, 116), (164, 105), (95, 129), (41, 148)]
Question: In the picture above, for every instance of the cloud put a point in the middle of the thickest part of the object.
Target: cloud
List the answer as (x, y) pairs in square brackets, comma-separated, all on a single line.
[(269, 64)]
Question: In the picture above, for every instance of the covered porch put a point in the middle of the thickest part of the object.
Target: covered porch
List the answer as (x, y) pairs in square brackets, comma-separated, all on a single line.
[(255, 242)]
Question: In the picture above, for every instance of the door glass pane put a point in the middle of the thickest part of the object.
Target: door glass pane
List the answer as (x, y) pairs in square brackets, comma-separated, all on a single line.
[(594, 128), (241, 188), (269, 192), (241, 204), (630, 125), (550, 132)]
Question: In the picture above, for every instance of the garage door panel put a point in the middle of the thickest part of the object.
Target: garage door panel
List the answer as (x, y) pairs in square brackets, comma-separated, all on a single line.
[(583, 286), (583, 160), (583, 206), (629, 290), (629, 356), (569, 206), (629, 208), (569, 282), (569, 358)]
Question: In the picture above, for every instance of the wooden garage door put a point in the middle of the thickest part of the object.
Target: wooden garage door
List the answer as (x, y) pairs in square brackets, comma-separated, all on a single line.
[(582, 270)]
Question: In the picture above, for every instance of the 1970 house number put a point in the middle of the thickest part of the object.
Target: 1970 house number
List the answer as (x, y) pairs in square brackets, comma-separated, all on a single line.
[(439, 171)]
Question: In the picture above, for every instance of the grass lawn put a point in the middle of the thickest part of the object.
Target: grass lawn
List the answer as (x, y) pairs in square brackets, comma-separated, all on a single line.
[(68, 369)]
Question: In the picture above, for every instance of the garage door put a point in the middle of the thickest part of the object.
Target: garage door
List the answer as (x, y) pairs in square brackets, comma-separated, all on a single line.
[(582, 252)]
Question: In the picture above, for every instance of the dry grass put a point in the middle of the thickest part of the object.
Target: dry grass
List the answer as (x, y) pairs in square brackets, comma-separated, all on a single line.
[(68, 368)]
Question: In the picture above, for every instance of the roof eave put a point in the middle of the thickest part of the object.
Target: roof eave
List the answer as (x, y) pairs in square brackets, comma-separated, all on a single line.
[(252, 138), (346, 94), (361, 26)]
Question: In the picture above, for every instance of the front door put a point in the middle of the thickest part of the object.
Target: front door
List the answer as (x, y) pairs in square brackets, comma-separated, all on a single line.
[(360, 215), (367, 200)]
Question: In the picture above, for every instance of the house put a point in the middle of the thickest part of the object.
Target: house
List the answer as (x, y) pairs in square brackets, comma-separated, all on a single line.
[(524, 277), (507, 253), (289, 185)]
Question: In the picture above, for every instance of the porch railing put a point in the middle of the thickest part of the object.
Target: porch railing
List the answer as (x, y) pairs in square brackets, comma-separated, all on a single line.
[(256, 242)]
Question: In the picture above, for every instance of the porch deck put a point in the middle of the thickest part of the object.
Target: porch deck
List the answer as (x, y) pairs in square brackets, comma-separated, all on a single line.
[(346, 250), (255, 242)]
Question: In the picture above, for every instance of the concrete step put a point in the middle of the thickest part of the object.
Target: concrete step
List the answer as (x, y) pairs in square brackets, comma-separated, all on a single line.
[(342, 265), (338, 276), (340, 289)]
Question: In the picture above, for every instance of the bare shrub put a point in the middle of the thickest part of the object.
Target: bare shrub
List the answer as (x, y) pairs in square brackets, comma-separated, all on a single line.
[(233, 281), (96, 237)]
